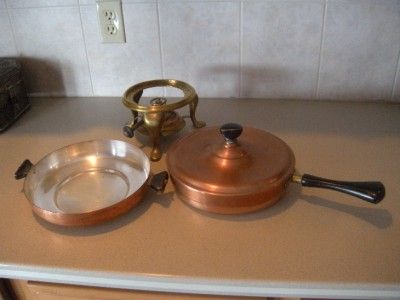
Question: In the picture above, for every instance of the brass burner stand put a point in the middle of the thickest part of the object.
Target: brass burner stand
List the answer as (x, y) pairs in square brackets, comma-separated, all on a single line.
[(159, 118)]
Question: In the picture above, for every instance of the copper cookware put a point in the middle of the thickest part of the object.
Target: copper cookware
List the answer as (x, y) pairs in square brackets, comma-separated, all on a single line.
[(232, 170), (88, 183)]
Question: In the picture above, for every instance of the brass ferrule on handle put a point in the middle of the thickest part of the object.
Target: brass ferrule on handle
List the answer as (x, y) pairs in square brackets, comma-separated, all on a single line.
[(296, 178)]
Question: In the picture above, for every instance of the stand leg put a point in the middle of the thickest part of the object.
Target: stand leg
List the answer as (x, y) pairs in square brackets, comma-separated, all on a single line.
[(154, 124), (193, 106)]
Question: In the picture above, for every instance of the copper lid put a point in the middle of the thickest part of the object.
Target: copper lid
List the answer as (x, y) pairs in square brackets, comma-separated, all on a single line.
[(230, 160)]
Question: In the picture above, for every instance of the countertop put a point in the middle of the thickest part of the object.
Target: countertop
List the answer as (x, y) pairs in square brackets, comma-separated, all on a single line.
[(312, 243)]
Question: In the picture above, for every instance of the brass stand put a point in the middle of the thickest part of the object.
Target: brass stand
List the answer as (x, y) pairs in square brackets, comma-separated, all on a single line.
[(159, 118)]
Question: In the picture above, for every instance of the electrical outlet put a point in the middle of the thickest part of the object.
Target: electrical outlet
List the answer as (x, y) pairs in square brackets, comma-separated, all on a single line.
[(109, 13)]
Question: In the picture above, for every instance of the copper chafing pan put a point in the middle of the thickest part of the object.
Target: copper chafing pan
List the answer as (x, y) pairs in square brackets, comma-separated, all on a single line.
[(88, 183), (232, 170)]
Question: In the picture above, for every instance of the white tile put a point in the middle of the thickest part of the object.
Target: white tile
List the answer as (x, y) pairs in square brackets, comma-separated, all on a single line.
[(200, 44), (138, 1), (89, 2), (7, 46), (53, 51), (360, 49), (115, 67), (280, 52), (39, 3)]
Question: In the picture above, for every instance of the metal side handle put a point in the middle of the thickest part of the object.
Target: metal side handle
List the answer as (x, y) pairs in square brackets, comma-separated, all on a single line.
[(23, 169)]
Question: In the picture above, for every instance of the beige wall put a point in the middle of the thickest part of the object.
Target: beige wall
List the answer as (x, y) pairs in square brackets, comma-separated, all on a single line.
[(304, 49)]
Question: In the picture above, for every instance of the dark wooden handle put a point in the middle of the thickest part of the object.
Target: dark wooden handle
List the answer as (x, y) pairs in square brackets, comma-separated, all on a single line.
[(159, 181), (23, 169), (371, 191), (129, 129)]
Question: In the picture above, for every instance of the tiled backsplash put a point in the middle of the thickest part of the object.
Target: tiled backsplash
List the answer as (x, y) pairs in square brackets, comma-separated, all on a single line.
[(295, 49)]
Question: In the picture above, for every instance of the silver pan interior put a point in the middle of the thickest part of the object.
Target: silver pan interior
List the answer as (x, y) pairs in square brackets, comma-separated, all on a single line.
[(87, 176)]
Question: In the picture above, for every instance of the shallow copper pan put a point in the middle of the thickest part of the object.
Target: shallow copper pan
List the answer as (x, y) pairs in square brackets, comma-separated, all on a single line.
[(88, 183)]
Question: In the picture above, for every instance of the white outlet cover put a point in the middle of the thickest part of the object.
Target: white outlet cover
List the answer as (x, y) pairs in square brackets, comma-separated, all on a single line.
[(111, 22)]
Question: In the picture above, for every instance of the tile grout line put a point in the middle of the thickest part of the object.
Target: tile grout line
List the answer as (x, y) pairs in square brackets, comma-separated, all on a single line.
[(86, 53), (160, 45), (240, 48), (396, 75), (45, 6), (320, 50)]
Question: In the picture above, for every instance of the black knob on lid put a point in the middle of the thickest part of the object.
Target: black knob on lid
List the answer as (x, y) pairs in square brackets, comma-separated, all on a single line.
[(231, 131)]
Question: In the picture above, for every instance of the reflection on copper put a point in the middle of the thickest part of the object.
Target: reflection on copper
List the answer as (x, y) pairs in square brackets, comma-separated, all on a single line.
[(212, 187), (224, 163), (92, 159)]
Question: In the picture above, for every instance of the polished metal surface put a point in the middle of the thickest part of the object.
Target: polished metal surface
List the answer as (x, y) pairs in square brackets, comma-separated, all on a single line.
[(86, 177), (230, 178), (159, 118), (296, 178)]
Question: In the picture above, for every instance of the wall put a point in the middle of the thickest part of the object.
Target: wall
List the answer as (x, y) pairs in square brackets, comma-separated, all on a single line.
[(305, 49)]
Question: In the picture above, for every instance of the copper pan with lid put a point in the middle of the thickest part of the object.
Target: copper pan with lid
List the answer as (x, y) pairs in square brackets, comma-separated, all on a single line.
[(233, 170)]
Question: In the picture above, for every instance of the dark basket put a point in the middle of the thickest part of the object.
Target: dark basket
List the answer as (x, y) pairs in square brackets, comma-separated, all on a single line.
[(13, 98)]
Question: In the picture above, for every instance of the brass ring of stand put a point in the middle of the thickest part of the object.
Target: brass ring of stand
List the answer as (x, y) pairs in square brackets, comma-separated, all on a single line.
[(132, 95)]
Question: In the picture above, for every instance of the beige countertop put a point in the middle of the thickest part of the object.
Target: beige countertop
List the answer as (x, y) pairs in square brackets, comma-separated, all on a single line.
[(313, 243)]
